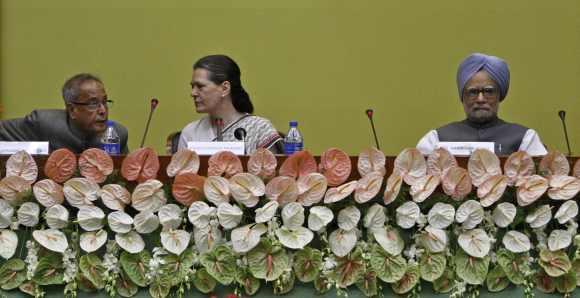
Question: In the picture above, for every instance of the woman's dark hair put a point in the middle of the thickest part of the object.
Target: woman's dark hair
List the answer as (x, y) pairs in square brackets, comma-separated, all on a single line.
[(222, 68)]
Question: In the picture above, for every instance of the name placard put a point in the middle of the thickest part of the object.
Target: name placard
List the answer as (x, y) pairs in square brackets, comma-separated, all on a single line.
[(209, 148), (466, 148), (30, 147)]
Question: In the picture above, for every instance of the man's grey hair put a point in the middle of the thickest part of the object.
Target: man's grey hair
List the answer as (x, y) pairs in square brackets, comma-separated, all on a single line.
[(70, 89)]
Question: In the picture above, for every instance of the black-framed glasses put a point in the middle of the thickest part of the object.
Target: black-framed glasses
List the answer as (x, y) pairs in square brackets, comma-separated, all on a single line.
[(94, 105), (488, 92)]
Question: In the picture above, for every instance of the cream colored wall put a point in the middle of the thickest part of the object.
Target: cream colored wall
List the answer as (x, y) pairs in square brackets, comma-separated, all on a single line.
[(319, 62)]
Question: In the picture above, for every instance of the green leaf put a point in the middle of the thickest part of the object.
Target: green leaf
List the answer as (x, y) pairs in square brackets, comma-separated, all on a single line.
[(49, 270), (408, 281), (555, 263), (321, 284), (28, 288), (576, 268), (514, 265), (91, 267), (12, 274), (124, 286), (84, 284), (497, 280), (160, 287), (368, 284), (204, 282), (350, 268), (284, 284), (545, 283), (220, 263), (432, 265), (177, 266), (307, 264), (566, 283), (136, 266), (389, 268), (267, 261), (250, 283), (444, 284), (472, 270)]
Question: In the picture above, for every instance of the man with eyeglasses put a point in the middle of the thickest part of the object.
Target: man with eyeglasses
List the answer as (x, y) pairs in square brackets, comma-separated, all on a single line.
[(77, 127), (483, 82)]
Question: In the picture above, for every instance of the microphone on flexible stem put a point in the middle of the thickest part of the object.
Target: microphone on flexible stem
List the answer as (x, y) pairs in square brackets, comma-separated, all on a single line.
[(369, 113), (154, 103), (562, 115), (240, 134)]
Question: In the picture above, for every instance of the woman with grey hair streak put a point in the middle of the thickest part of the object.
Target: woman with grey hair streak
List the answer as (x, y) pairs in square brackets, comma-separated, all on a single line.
[(483, 83)]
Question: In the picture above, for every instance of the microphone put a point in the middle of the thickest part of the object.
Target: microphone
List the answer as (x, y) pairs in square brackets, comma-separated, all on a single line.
[(369, 113), (219, 122), (562, 115), (154, 103), (240, 134)]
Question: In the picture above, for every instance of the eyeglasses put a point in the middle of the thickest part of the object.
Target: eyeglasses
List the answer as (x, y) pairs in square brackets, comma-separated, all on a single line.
[(488, 92), (94, 105)]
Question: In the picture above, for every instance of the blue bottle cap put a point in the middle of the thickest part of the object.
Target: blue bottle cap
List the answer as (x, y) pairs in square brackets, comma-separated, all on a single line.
[(294, 123), (110, 123)]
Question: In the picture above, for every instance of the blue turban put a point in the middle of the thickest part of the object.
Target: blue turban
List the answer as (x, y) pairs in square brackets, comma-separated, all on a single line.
[(496, 68)]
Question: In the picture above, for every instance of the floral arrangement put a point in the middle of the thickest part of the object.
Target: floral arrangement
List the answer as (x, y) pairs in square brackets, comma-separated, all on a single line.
[(91, 227)]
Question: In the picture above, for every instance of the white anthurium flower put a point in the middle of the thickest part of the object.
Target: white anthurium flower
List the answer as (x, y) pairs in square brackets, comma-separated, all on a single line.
[(247, 237), (170, 216), (434, 239), (567, 211), (81, 192), (407, 214), (294, 239), (390, 240), (469, 214), (6, 213), (266, 212), (375, 217), (441, 215), (148, 196), (90, 218), (131, 242), (146, 222), (8, 243), (120, 222), (199, 214), (56, 217), (217, 190), (246, 188), (229, 216), (475, 243), (28, 214), (504, 214), (319, 217), (115, 196), (559, 239), (48, 193), (207, 238), (516, 242), (175, 241), (348, 218), (342, 242), (51, 239), (92, 241), (293, 215), (540, 216)]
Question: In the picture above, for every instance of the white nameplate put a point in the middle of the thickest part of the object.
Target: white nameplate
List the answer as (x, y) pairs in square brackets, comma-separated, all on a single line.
[(30, 147), (209, 148), (466, 148)]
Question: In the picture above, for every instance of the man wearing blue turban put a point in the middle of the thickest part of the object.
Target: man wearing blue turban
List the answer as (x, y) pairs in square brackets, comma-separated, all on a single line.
[(483, 82)]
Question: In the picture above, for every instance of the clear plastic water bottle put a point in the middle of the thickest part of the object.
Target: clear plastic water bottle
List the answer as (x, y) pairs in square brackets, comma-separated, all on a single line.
[(110, 141), (293, 141)]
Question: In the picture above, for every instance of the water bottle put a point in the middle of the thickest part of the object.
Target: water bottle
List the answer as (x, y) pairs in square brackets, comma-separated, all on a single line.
[(293, 141), (110, 141)]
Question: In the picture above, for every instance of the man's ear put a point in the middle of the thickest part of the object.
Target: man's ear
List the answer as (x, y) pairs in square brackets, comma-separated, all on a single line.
[(70, 111), (226, 88)]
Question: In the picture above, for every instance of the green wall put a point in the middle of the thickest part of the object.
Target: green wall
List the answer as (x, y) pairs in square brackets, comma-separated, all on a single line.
[(319, 62)]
